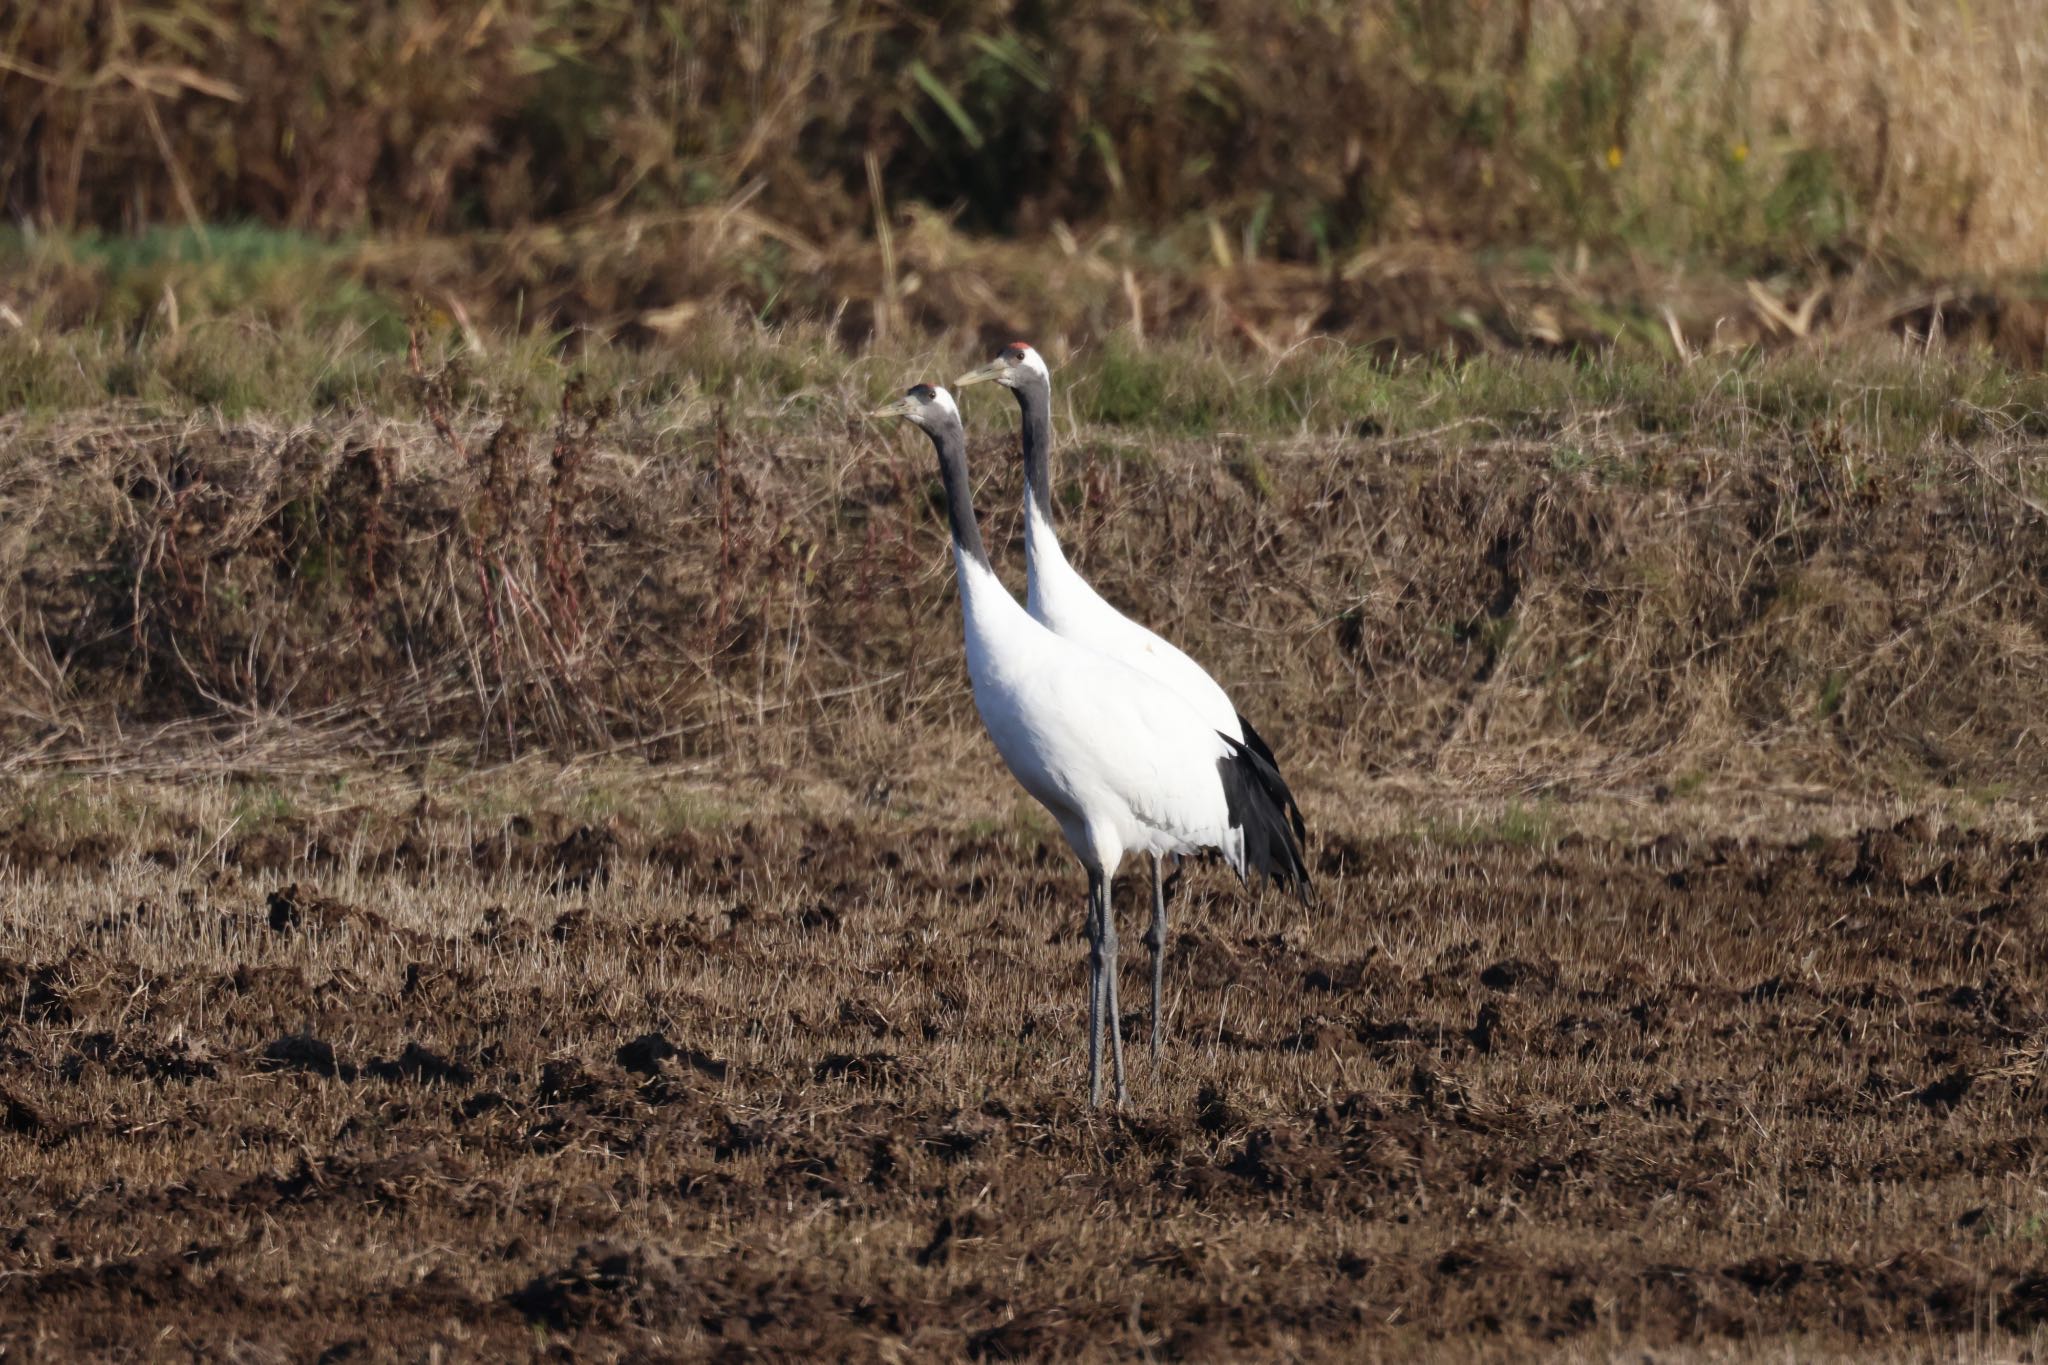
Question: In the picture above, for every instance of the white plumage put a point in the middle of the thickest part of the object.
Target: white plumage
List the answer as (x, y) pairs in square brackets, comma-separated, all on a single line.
[(1068, 605), (1123, 762)]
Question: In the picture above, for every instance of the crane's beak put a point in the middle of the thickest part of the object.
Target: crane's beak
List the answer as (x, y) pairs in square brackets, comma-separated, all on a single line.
[(902, 407), (994, 370)]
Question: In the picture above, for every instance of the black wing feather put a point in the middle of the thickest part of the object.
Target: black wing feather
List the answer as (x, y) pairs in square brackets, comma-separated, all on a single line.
[(1260, 804), (1256, 742)]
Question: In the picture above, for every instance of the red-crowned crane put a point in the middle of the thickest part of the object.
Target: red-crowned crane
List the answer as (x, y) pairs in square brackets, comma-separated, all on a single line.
[(1066, 604), (1123, 762)]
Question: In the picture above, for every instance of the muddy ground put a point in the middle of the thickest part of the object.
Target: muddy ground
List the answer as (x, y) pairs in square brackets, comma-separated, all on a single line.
[(407, 1082)]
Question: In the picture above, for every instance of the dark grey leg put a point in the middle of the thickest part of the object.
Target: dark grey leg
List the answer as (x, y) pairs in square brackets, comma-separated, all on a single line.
[(1095, 983), (1155, 938), (1116, 1018)]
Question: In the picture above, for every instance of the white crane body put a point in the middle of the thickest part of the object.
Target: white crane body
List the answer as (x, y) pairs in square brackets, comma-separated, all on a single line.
[(1124, 763), (1069, 606)]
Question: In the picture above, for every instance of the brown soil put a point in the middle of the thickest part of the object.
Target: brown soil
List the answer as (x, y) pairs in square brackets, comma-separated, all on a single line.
[(382, 1083)]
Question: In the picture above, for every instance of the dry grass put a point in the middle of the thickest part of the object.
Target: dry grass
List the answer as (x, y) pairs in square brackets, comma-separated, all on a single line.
[(1765, 131), (1567, 577), (251, 319), (1502, 1092), (1951, 97)]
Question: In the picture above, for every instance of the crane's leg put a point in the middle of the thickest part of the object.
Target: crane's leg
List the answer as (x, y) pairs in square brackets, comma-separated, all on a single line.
[(1095, 985), (1116, 1018), (1155, 937)]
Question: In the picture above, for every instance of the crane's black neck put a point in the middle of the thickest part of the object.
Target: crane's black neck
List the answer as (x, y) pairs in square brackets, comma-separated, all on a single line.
[(1034, 399), (950, 439)]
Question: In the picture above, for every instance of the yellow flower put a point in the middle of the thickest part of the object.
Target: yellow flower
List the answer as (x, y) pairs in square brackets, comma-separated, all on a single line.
[(1614, 157), (1740, 152)]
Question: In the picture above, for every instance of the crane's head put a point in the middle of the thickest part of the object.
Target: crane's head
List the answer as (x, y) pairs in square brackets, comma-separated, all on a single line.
[(1016, 365), (927, 405)]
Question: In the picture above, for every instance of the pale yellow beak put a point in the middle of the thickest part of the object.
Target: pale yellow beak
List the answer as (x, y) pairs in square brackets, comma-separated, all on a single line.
[(994, 370), (902, 407)]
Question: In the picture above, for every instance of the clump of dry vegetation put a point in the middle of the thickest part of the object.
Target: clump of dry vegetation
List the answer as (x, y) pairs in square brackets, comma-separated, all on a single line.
[(1462, 177), (1762, 129), (1814, 567)]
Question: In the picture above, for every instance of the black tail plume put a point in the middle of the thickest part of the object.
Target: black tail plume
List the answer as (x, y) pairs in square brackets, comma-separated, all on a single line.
[(1256, 742), (1259, 802)]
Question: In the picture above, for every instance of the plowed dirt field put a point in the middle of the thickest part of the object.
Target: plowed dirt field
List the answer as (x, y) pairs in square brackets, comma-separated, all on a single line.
[(405, 1083)]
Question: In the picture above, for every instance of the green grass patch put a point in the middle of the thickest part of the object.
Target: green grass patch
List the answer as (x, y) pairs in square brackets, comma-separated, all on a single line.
[(249, 321), (1518, 824)]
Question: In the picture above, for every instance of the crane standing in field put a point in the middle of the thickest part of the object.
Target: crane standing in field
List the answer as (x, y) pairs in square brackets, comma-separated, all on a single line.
[(1065, 603), (1122, 762)]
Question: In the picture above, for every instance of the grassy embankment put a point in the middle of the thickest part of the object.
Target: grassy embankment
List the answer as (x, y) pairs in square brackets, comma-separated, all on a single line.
[(1813, 564)]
